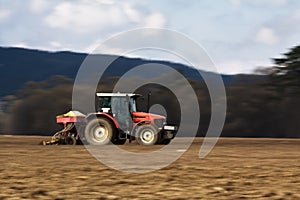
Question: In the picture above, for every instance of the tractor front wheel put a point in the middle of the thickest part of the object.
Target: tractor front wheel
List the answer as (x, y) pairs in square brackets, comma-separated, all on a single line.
[(147, 135)]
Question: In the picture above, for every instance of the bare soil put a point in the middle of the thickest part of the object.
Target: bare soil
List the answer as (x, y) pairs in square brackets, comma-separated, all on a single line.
[(235, 169)]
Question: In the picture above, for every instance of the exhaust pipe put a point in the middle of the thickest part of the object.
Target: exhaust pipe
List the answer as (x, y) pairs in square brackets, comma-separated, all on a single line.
[(148, 102)]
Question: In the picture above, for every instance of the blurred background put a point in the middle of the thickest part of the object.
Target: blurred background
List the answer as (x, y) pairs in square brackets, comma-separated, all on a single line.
[(264, 104), (254, 44)]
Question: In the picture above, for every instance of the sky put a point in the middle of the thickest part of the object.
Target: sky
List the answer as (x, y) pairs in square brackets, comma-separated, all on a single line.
[(238, 35)]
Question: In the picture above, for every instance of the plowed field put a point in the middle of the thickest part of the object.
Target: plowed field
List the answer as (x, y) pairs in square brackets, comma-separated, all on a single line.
[(235, 169)]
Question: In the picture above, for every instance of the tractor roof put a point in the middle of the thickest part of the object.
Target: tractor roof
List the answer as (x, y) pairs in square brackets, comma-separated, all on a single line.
[(117, 94)]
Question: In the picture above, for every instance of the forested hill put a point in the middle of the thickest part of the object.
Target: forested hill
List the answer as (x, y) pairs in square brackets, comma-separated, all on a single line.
[(257, 105), (19, 66)]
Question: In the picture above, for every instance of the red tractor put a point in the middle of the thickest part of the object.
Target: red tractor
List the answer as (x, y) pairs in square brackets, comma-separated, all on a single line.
[(115, 121)]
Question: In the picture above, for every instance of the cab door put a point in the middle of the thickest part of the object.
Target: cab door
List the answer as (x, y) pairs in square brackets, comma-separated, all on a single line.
[(120, 110)]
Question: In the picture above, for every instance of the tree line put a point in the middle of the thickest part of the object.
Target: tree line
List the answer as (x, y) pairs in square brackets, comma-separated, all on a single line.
[(268, 108)]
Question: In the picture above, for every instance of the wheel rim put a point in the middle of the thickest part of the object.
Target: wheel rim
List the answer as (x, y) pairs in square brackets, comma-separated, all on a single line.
[(100, 134), (147, 136)]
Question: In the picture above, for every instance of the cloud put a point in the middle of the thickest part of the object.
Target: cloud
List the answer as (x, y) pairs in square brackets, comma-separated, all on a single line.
[(267, 36), (4, 14), (268, 2), (235, 3), (20, 45), (231, 31), (108, 2), (55, 44), (84, 17), (155, 20), (133, 14), (39, 6), (278, 2), (297, 14), (239, 66), (99, 16), (99, 48)]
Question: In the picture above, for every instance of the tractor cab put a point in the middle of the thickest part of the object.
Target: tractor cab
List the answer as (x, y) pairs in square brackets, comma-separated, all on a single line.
[(120, 106), (113, 103)]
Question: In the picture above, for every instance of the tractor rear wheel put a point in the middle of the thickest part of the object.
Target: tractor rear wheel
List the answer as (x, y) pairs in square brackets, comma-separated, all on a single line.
[(99, 131), (147, 134)]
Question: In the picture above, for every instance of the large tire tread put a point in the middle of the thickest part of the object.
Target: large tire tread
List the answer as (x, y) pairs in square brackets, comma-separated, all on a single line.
[(91, 129), (152, 130)]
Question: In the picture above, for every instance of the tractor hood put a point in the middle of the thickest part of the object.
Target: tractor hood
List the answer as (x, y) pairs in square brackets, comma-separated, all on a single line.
[(142, 116)]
